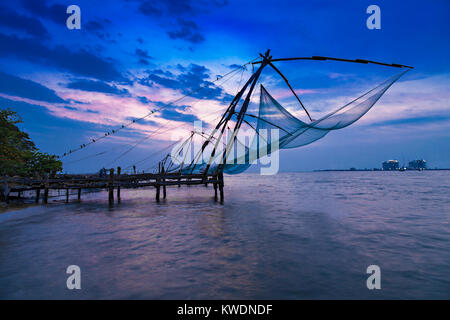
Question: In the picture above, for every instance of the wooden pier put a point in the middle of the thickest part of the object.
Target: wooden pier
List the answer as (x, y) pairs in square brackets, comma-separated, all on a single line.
[(114, 181)]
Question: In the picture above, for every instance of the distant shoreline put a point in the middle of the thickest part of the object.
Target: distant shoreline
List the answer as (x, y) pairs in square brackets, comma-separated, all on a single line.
[(378, 170)]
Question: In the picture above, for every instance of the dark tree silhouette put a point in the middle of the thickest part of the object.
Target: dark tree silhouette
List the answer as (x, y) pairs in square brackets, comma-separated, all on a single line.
[(18, 154)]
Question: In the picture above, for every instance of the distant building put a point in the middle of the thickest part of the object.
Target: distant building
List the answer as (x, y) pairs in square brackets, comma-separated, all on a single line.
[(390, 165), (417, 165)]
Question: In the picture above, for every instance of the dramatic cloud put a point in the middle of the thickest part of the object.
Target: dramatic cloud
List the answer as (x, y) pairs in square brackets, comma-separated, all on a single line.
[(176, 14), (234, 66), (193, 82), (40, 8), (15, 86), (80, 62), (187, 30), (157, 8), (150, 9), (143, 56), (19, 22), (173, 114), (94, 26), (99, 27), (178, 8), (97, 86)]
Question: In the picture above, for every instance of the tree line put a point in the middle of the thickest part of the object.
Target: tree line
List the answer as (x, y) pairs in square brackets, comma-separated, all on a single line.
[(19, 156)]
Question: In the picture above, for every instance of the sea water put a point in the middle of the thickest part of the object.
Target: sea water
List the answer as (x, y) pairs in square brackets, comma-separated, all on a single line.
[(288, 236)]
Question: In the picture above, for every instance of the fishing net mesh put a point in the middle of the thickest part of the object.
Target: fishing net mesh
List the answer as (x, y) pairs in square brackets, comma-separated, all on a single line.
[(291, 131)]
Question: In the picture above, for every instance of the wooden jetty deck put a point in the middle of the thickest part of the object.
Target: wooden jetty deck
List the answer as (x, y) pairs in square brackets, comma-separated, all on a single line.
[(112, 182)]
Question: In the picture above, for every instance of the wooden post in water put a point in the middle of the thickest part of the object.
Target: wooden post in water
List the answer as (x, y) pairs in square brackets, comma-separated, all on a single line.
[(79, 194), (46, 191), (215, 188), (38, 194), (163, 180), (157, 189), (6, 192), (118, 187), (157, 183), (67, 195), (111, 186), (221, 186)]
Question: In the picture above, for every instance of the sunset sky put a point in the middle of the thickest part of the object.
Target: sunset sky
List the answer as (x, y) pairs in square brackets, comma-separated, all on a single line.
[(134, 56)]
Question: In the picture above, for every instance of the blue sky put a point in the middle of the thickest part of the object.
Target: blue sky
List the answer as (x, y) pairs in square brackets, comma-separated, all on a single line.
[(132, 56)]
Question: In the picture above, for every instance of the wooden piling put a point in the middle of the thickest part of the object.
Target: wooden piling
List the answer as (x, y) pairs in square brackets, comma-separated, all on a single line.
[(67, 195), (157, 183), (118, 187), (215, 189), (79, 194), (46, 195), (46, 191), (6, 192), (157, 189), (111, 186), (38, 194), (221, 186), (163, 180)]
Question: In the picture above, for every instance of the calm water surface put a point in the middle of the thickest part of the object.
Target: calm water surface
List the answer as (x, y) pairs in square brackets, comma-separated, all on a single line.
[(290, 236)]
